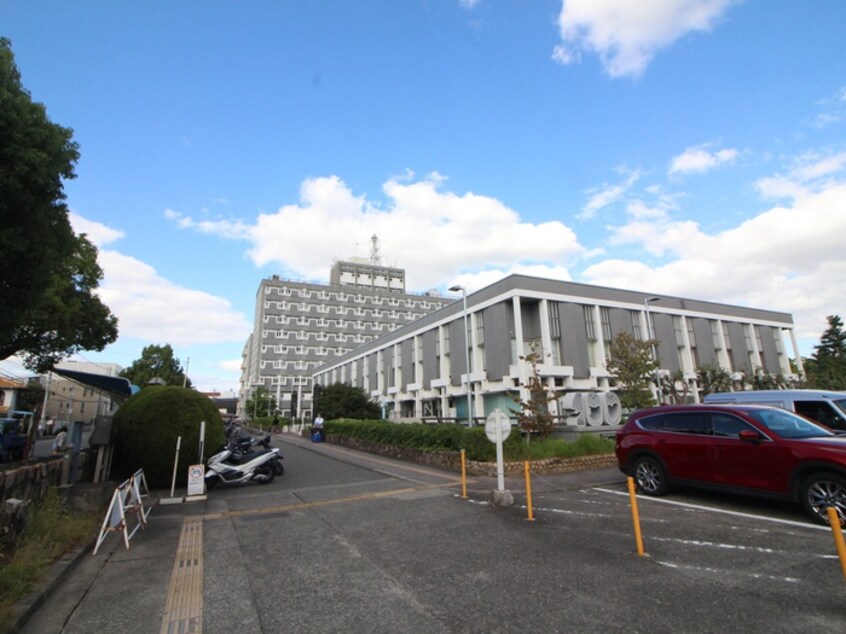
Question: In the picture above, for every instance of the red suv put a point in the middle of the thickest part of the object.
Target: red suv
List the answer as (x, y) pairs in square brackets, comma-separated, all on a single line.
[(754, 449)]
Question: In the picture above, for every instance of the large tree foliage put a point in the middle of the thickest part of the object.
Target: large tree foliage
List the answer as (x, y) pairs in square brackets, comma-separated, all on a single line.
[(68, 318), (632, 364), (49, 274), (156, 362), (342, 400), (826, 369)]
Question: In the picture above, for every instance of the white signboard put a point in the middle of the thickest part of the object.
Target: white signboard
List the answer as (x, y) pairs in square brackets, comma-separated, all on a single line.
[(497, 419), (497, 429), (196, 479)]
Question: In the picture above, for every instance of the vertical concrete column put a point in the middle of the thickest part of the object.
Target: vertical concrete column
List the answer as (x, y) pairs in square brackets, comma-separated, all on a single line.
[(687, 357), (796, 355), (723, 356), (601, 353), (546, 338)]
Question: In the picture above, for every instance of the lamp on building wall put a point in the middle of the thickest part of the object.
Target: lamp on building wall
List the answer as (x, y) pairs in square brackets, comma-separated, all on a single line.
[(455, 289), (651, 335)]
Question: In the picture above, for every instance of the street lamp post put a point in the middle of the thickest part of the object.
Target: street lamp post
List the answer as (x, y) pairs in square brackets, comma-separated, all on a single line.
[(651, 334), (463, 290)]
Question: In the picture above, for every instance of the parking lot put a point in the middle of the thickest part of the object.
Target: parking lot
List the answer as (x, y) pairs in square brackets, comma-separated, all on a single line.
[(359, 543)]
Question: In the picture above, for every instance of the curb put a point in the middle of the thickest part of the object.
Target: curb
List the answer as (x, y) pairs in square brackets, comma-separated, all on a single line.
[(23, 610)]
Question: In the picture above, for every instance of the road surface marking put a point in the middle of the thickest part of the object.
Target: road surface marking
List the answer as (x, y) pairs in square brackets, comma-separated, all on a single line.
[(308, 505), (700, 507), (184, 610)]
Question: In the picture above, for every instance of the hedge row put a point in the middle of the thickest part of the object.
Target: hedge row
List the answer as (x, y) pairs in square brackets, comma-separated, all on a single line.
[(424, 437)]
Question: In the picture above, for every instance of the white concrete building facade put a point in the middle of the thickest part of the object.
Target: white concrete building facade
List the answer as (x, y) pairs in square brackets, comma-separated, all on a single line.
[(420, 370)]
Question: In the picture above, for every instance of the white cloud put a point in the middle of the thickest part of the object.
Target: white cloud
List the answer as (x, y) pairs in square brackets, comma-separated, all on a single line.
[(608, 194), (150, 307), (787, 258), (812, 171), (429, 232), (834, 109), (469, 5), (98, 234), (153, 309), (699, 160), (627, 35), (230, 365), (475, 281)]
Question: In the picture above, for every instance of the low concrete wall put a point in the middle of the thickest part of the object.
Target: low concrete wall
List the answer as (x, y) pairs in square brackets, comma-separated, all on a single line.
[(452, 459), (29, 481)]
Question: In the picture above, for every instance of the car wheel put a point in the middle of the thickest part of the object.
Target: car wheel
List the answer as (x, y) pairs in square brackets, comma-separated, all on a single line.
[(821, 491), (650, 476)]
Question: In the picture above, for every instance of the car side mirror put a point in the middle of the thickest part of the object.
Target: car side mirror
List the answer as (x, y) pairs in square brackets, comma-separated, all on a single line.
[(750, 436)]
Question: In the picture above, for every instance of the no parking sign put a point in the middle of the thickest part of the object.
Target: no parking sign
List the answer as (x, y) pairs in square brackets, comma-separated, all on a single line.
[(196, 479)]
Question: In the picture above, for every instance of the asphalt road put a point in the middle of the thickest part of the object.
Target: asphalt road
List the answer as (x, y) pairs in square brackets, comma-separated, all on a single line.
[(348, 542)]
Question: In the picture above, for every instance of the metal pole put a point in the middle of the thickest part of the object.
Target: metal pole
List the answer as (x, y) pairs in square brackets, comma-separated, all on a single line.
[(467, 345), (185, 375), (43, 424)]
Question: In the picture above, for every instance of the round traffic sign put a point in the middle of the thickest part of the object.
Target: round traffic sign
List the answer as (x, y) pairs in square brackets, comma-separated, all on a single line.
[(497, 420)]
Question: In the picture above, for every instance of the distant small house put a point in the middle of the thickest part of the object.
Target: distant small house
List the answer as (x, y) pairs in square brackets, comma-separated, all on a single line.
[(9, 395)]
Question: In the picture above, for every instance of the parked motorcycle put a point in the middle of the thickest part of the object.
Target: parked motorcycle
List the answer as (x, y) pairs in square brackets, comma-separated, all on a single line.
[(233, 465)]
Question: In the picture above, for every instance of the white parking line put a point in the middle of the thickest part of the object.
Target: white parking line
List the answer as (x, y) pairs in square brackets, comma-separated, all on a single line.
[(764, 518), (721, 572)]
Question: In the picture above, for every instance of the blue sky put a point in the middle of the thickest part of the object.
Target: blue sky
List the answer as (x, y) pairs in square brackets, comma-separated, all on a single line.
[(687, 147)]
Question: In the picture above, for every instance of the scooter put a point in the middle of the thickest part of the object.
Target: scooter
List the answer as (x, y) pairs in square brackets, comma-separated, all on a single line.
[(232, 466)]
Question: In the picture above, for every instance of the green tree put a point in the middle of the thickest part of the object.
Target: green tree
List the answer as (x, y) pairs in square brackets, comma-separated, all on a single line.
[(342, 400), (49, 309), (69, 318), (261, 402), (147, 428), (631, 363), (757, 379), (826, 369), (713, 379), (156, 362), (675, 388), (534, 415)]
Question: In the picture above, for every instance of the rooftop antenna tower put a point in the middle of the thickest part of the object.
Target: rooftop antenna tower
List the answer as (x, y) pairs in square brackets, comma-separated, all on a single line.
[(374, 250)]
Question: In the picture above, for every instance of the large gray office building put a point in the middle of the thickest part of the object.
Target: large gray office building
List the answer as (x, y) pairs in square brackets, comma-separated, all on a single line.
[(300, 326), (421, 369)]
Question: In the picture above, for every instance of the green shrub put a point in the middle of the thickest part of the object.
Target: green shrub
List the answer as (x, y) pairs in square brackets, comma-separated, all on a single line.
[(148, 425), (424, 437), (474, 440)]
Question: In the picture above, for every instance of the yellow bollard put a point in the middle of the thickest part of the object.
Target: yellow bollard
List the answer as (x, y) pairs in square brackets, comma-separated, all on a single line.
[(834, 520), (635, 517), (528, 491), (463, 475)]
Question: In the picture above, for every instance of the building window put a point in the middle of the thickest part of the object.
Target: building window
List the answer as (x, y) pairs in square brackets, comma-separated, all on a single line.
[(729, 350), (480, 329), (677, 327), (635, 318), (715, 334), (605, 316), (554, 321), (590, 327)]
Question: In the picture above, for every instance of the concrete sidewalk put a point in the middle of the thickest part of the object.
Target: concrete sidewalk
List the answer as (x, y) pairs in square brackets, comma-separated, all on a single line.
[(128, 590)]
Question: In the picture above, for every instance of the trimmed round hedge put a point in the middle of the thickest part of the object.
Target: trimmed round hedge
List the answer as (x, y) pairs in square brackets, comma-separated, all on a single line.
[(148, 425)]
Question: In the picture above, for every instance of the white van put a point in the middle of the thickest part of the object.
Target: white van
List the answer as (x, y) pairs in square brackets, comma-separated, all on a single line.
[(828, 408)]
